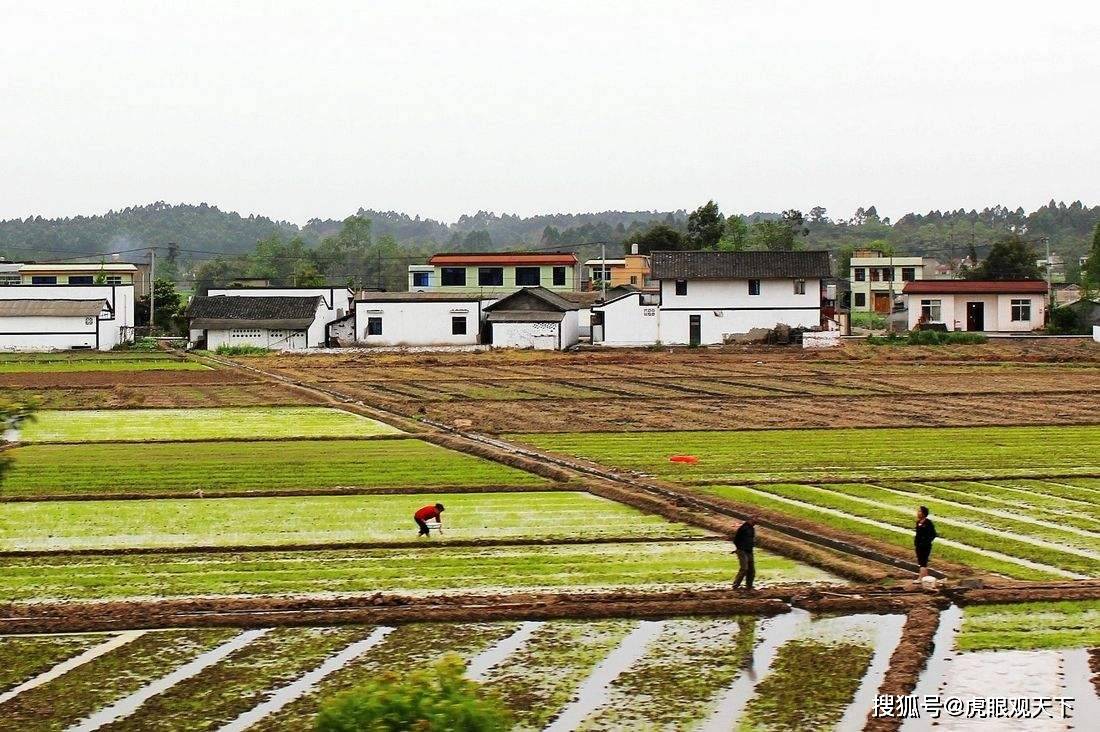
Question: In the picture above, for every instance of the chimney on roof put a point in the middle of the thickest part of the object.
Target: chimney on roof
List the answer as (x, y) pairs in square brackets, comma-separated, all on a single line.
[(634, 248)]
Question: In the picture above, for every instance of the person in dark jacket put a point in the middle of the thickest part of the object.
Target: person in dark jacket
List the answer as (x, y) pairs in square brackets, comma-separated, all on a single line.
[(743, 541), (922, 540)]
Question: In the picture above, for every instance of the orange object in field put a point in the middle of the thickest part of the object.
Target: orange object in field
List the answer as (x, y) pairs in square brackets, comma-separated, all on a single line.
[(689, 459)]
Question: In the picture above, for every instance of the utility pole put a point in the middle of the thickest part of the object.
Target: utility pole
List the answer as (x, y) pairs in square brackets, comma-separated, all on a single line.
[(152, 286), (603, 271), (1050, 294)]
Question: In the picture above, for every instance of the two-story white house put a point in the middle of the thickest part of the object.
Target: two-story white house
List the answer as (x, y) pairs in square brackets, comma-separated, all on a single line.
[(706, 297), (877, 279)]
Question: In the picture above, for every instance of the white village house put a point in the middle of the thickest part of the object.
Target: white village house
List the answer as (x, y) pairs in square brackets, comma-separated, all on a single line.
[(284, 318), (417, 319), (62, 317), (978, 305), (706, 297)]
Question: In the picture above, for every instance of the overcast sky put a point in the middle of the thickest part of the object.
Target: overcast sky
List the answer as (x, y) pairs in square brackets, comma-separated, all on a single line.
[(296, 110)]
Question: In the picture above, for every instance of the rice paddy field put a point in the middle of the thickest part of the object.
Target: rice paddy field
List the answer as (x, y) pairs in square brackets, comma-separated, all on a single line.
[(153, 479)]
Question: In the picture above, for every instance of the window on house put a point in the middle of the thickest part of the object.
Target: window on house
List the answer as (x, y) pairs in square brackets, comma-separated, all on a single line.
[(887, 274), (559, 276), (458, 325), (527, 277), (633, 279), (681, 287), (860, 300), (43, 280), (81, 280), (930, 311), (908, 274), (860, 274), (374, 326), (453, 276), (876, 274), (490, 276), (114, 279), (1021, 311), (754, 287), (800, 287), (422, 279)]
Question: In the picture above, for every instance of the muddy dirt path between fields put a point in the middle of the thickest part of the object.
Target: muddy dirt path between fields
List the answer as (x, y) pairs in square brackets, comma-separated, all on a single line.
[(393, 608)]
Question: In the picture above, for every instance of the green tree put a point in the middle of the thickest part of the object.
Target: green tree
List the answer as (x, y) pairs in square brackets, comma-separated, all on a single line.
[(438, 699), (705, 226), (661, 237), (735, 236), (779, 235), (1092, 264), (167, 303), (1010, 258)]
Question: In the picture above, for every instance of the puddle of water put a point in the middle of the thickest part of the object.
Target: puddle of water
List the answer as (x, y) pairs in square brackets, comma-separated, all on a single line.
[(1078, 685), (285, 695), (480, 665), (888, 632), (128, 705), (593, 693), (1009, 674), (772, 634), (68, 665)]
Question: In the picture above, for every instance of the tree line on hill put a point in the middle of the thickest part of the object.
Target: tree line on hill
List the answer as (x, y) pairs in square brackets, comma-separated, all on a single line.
[(201, 246)]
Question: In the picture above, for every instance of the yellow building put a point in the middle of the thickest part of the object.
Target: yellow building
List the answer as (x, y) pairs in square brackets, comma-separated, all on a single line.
[(633, 269)]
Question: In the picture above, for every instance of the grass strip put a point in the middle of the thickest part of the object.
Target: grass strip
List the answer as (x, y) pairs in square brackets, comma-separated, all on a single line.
[(24, 657), (648, 564), (809, 455), (183, 466), (322, 519), (994, 496), (541, 677), (682, 672), (145, 425), (220, 693), (795, 698), (1030, 626), (406, 649), (76, 366), (901, 515), (61, 703), (898, 537)]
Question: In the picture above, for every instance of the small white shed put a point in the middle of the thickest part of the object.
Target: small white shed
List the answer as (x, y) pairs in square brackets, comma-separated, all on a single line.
[(533, 317), (276, 322)]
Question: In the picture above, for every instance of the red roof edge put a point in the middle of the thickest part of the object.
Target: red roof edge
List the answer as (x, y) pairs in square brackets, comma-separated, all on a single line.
[(504, 258), (975, 287)]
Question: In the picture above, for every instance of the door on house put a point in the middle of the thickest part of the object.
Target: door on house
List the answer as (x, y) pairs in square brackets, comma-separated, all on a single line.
[(882, 302), (975, 316), (695, 330)]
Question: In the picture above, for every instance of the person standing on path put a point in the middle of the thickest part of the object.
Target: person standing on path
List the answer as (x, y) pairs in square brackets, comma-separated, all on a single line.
[(743, 541), (922, 540), (426, 514)]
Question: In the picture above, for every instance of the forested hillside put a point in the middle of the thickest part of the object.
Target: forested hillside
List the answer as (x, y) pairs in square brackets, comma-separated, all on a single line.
[(213, 245)]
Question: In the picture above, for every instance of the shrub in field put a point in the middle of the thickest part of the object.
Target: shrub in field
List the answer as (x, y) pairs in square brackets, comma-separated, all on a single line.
[(873, 321), (429, 700), (929, 338), (224, 350)]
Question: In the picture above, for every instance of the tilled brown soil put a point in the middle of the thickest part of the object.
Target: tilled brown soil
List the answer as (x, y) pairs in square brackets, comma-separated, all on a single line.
[(177, 377), (822, 412)]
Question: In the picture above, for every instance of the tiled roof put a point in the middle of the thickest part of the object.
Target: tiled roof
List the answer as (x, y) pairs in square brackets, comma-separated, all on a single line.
[(50, 308), (532, 298), (419, 297), (974, 287), (705, 265), (278, 311), (503, 258)]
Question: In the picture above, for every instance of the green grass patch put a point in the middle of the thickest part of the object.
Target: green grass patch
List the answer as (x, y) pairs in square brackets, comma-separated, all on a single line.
[(897, 534), (146, 425), (242, 466), (99, 364), (322, 519), (1030, 626), (24, 657), (853, 454), (417, 570)]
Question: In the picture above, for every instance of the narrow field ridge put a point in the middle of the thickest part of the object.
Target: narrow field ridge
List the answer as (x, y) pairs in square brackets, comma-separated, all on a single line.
[(480, 665)]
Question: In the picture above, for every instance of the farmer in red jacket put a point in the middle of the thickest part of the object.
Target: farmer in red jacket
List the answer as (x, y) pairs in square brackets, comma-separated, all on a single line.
[(426, 514)]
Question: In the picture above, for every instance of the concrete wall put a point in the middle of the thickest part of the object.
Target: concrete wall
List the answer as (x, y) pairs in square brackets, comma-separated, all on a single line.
[(282, 340), (111, 328), (540, 336), (628, 323), (425, 323), (998, 311), (570, 329), (725, 307)]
